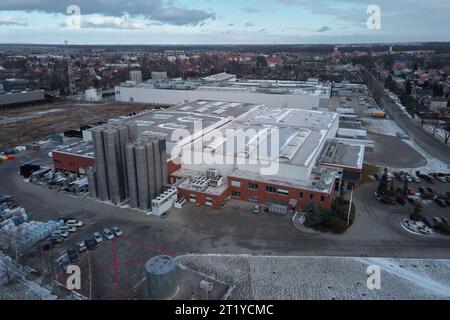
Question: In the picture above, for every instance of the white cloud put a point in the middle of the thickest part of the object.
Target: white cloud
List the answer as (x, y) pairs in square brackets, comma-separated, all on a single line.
[(112, 23), (13, 21)]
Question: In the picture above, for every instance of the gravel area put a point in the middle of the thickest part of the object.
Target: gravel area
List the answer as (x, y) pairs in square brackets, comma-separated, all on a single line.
[(324, 278)]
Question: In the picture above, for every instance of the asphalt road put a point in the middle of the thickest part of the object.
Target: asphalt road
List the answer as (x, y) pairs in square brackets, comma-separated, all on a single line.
[(233, 229), (422, 138)]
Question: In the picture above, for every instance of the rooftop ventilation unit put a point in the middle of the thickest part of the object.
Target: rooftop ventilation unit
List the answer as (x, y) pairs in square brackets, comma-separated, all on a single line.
[(216, 181), (201, 183), (212, 173)]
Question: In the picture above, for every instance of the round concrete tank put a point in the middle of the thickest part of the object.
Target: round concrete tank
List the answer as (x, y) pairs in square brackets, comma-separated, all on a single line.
[(161, 272)]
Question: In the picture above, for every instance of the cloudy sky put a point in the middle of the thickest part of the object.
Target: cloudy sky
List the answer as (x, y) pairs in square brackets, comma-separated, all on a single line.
[(221, 22)]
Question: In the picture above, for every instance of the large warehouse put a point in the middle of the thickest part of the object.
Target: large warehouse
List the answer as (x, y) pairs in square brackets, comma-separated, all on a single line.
[(139, 157), (311, 95)]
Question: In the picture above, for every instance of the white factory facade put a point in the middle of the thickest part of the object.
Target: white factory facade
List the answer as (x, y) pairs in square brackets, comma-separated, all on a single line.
[(311, 95)]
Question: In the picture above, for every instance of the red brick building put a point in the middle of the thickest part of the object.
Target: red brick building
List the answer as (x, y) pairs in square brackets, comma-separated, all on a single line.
[(72, 162)]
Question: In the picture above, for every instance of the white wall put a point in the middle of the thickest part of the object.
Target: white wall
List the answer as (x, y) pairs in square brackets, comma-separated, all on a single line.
[(175, 97)]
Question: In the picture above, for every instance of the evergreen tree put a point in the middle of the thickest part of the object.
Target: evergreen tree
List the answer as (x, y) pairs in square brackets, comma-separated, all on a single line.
[(383, 187)]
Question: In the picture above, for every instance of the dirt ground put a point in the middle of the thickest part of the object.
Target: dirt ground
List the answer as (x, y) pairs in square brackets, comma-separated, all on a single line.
[(25, 124)]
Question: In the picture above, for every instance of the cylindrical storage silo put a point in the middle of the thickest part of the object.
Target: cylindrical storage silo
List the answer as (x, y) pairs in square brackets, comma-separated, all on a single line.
[(142, 177), (100, 164), (92, 182), (133, 131), (111, 138), (161, 273), (151, 171), (132, 179), (124, 139), (158, 167), (164, 168)]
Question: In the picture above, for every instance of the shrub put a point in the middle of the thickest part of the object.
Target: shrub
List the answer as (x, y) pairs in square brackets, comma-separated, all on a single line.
[(401, 200), (387, 200), (337, 225), (443, 228), (416, 217)]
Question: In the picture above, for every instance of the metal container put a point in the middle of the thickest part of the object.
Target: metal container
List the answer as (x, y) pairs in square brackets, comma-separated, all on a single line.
[(161, 273)]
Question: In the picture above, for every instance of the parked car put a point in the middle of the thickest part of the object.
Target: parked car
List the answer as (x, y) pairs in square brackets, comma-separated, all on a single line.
[(68, 229), (441, 203), (61, 233), (6, 198), (411, 192), (108, 234), (74, 223), (256, 209), (441, 179), (97, 237), (91, 244), (415, 179), (117, 232), (412, 200), (73, 255), (438, 221), (56, 239), (446, 221), (81, 246), (64, 264)]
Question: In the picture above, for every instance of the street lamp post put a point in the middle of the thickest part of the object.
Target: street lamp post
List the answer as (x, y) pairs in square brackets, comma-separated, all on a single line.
[(350, 208)]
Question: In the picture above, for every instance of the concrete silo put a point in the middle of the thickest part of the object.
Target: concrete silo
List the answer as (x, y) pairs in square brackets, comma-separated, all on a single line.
[(124, 139), (142, 177), (131, 175), (158, 166), (100, 164), (92, 183), (164, 169), (151, 170), (133, 131), (161, 274), (111, 141)]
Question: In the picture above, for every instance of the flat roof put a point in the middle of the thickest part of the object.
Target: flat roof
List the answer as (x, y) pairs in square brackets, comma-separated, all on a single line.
[(319, 181), (337, 153), (250, 86), (80, 148), (196, 117), (297, 133)]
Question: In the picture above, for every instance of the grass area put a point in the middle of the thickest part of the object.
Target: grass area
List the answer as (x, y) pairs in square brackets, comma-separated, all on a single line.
[(368, 171)]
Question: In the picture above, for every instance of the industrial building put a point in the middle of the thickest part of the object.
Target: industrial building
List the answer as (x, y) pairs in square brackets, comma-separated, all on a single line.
[(144, 160), (10, 98), (311, 95), (298, 180)]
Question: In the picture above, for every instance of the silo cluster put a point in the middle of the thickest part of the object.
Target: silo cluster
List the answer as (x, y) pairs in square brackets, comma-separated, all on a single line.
[(147, 174), (127, 166), (110, 163)]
